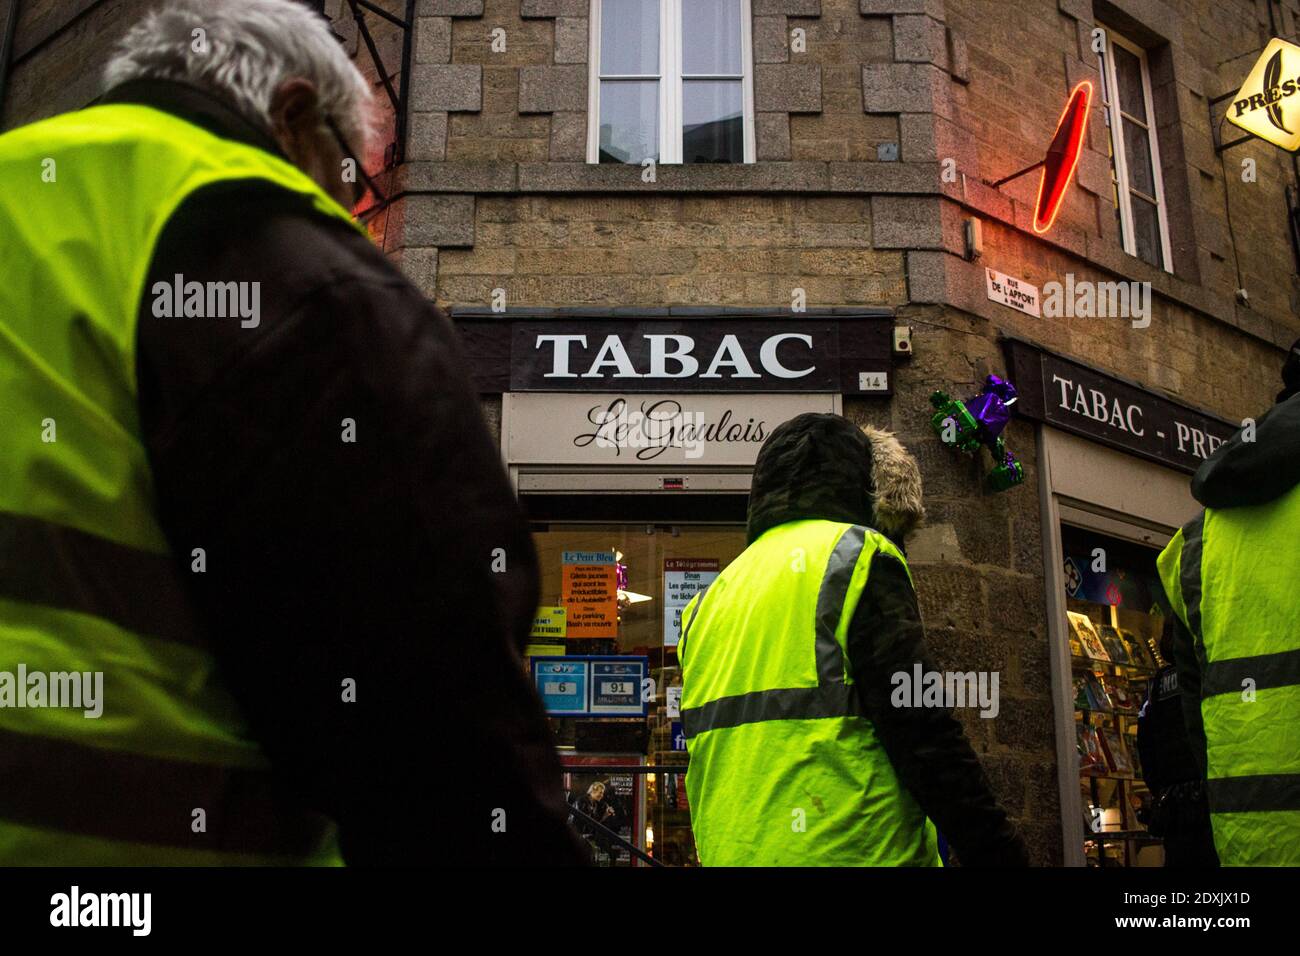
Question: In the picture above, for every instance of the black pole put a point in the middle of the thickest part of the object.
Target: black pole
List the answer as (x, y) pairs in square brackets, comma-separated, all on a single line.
[(1007, 179), (7, 54), (1292, 194), (384, 14), (364, 30), (399, 126)]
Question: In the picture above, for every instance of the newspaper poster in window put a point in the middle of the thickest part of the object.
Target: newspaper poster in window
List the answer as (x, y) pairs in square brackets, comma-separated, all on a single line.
[(615, 800), (589, 593), (683, 579)]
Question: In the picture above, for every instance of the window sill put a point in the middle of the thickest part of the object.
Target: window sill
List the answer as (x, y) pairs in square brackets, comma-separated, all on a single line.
[(760, 177)]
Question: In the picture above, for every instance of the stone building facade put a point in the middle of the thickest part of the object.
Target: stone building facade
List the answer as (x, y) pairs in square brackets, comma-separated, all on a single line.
[(878, 128)]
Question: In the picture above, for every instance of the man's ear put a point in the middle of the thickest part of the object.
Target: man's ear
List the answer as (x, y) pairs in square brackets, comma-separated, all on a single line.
[(295, 112)]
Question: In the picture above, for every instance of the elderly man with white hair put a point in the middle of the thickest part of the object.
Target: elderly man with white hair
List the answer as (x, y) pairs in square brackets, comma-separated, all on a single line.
[(245, 482)]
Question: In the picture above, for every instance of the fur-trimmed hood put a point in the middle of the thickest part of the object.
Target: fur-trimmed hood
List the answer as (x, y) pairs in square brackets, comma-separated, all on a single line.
[(824, 466)]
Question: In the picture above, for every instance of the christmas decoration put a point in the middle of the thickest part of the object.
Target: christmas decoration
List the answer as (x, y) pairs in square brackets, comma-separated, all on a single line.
[(979, 422)]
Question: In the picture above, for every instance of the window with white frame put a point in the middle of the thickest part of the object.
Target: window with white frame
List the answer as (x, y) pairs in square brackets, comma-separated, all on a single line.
[(671, 82), (1134, 152)]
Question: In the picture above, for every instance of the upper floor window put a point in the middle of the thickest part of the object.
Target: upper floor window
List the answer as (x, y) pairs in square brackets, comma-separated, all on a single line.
[(671, 81), (1134, 152)]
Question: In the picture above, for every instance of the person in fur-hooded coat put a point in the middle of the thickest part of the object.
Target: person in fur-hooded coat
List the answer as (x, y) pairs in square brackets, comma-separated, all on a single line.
[(822, 466)]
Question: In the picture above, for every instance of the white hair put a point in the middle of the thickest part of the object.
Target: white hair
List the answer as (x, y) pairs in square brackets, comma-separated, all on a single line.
[(245, 50)]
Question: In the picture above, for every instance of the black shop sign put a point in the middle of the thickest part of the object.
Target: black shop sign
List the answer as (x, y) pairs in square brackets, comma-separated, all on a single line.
[(1077, 398), (697, 351)]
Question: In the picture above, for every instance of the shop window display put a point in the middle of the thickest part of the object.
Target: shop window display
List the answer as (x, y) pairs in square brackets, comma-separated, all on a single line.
[(651, 570), (1115, 611)]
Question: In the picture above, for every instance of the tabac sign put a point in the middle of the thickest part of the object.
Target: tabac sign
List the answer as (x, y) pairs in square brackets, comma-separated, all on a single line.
[(1268, 103), (665, 351)]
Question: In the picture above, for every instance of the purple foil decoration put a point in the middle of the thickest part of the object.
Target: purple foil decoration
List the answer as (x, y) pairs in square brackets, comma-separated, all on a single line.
[(991, 407), (620, 574)]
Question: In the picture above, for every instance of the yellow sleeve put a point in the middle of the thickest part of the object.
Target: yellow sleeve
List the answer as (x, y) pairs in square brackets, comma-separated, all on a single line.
[(1170, 566)]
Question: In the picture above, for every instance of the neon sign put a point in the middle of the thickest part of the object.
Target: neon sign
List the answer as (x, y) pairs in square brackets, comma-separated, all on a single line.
[(1062, 157)]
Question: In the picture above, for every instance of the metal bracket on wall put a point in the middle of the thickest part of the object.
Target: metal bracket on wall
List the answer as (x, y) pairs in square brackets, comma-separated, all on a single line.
[(1292, 192), (395, 152), (1219, 145), (1006, 179)]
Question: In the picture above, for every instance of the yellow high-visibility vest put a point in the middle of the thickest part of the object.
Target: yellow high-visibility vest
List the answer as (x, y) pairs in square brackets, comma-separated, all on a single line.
[(784, 768), (168, 773), (1232, 576)]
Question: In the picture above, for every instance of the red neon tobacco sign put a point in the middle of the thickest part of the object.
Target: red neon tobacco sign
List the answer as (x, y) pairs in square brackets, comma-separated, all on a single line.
[(1062, 157)]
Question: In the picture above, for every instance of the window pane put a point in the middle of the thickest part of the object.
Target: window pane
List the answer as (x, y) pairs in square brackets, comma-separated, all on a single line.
[(1137, 156), (1110, 141), (1128, 76), (1146, 230), (711, 36), (1119, 215), (1114, 179), (712, 122), (629, 37), (629, 121)]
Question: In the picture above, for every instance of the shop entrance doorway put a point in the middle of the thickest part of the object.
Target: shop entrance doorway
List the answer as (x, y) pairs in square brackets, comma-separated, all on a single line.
[(628, 773), (1100, 541), (1116, 611)]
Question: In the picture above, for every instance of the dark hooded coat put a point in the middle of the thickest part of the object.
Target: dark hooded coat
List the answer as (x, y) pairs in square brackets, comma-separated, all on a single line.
[(823, 466), (368, 560)]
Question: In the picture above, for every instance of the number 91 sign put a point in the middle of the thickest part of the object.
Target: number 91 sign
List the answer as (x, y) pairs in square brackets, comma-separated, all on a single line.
[(586, 686)]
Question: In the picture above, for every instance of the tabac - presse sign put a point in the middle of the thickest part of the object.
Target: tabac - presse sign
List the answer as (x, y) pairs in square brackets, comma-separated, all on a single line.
[(1076, 398), (1267, 105)]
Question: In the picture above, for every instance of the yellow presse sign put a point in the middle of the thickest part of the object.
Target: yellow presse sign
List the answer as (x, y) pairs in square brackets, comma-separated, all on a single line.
[(1268, 103)]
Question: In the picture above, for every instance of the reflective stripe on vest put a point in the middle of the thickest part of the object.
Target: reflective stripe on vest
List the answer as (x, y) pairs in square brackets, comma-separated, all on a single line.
[(60, 567), (784, 768), (87, 585), (786, 703), (1230, 575), (135, 799)]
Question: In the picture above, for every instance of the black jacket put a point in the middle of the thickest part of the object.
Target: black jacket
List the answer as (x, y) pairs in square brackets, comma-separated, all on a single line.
[(398, 560), (1162, 740), (1242, 473), (823, 466)]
